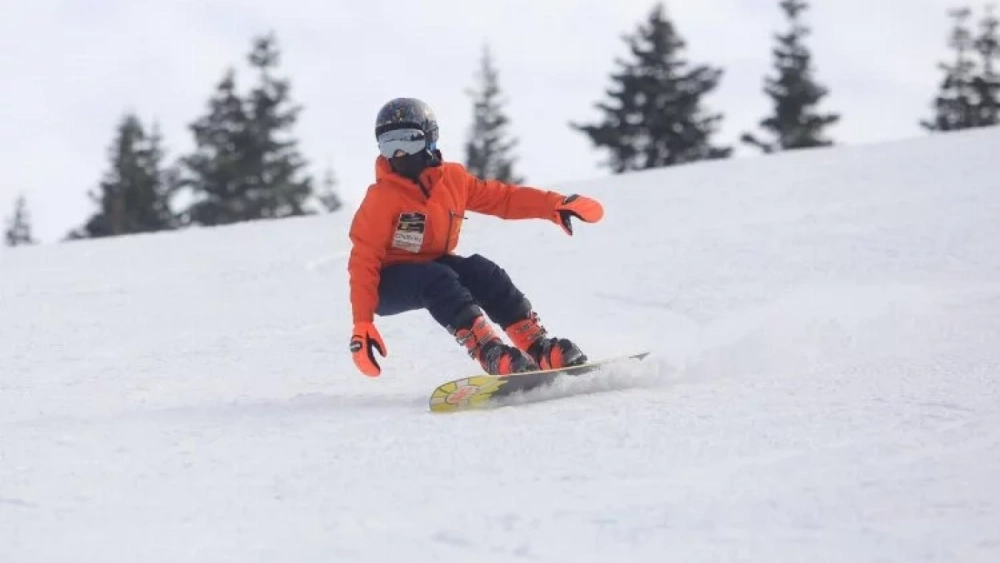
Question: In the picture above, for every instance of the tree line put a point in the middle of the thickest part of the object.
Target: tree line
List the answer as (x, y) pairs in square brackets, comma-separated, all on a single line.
[(246, 164)]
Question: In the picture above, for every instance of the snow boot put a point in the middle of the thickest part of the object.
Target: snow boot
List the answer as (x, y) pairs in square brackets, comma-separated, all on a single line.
[(488, 349), (549, 353)]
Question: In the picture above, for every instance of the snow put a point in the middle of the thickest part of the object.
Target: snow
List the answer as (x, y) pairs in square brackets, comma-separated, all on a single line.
[(824, 383)]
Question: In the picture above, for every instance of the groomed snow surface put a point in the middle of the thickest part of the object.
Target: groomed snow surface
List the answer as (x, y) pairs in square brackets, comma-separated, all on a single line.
[(825, 328)]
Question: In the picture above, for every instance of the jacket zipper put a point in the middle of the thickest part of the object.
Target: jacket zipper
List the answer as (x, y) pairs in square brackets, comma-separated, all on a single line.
[(427, 192), (447, 237), (451, 216)]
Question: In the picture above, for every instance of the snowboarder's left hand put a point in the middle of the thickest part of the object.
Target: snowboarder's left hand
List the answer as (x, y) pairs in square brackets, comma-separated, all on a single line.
[(580, 207), (364, 341)]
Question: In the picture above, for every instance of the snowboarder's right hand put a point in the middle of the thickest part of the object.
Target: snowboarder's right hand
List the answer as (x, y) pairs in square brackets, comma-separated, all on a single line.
[(364, 341)]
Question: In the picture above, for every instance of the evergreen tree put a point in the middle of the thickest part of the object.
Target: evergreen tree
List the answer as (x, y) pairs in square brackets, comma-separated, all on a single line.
[(246, 165), (654, 116), (328, 197), (986, 85), (214, 171), (135, 194), (954, 106), (795, 123), (488, 150), (18, 231)]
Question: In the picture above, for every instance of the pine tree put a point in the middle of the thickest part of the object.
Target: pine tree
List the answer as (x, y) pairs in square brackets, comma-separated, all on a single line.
[(488, 149), (328, 197), (986, 84), (214, 171), (18, 231), (654, 116), (246, 165), (795, 123), (136, 192), (954, 105), (280, 191)]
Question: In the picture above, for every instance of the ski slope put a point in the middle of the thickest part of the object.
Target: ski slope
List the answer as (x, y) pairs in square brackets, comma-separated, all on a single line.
[(824, 385)]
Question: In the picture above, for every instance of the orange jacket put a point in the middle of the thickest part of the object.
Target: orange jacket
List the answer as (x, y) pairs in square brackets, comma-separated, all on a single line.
[(399, 221)]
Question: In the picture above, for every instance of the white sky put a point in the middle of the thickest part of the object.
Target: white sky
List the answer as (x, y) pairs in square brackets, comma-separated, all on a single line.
[(70, 69)]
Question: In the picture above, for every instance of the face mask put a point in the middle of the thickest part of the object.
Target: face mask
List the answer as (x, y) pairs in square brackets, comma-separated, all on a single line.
[(412, 165)]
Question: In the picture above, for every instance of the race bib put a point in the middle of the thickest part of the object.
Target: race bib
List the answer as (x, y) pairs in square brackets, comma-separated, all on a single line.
[(410, 232)]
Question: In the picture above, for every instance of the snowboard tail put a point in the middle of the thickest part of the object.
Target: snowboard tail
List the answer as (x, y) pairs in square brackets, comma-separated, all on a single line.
[(486, 391)]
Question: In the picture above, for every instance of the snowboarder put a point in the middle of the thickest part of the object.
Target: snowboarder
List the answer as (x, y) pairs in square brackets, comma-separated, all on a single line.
[(403, 239)]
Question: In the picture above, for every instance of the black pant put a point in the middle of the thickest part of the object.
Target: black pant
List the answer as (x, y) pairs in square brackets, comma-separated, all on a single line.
[(454, 289)]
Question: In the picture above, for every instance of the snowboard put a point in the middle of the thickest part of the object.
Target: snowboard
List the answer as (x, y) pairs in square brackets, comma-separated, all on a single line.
[(487, 391)]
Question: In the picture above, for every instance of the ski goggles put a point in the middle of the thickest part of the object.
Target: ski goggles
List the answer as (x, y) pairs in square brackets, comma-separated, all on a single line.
[(409, 141)]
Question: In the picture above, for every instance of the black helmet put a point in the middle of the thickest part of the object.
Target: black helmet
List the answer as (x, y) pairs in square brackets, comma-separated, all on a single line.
[(407, 113)]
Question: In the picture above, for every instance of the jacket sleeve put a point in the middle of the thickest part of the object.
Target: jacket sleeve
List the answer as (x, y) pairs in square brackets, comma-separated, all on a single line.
[(509, 201), (370, 234)]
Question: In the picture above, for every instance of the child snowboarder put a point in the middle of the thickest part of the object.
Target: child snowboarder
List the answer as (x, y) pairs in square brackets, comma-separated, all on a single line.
[(403, 236)]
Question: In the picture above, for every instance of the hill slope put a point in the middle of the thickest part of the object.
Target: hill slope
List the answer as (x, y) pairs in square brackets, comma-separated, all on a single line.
[(824, 387)]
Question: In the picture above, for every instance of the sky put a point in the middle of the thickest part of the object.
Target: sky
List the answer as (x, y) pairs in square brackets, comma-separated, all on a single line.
[(72, 68)]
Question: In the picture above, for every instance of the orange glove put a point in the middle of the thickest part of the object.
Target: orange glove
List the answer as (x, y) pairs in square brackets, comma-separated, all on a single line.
[(581, 207), (364, 340)]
